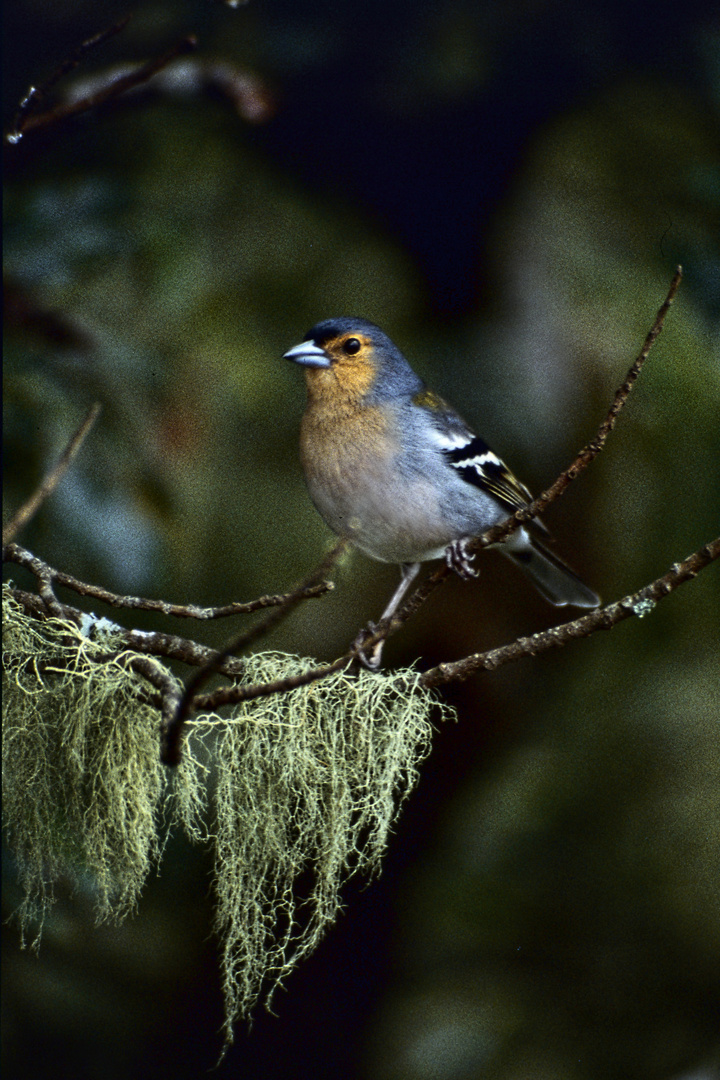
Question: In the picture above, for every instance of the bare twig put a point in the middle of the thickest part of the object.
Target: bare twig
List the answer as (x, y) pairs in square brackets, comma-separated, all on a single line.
[(14, 553), (153, 643), (53, 478), (162, 681), (639, 604), (112, 90), (36, 94), (46, 602), (231, 695), (590, 452), (306, 588)]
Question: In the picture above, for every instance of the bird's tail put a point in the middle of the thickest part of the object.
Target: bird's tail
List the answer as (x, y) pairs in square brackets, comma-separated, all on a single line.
[(550, 575)]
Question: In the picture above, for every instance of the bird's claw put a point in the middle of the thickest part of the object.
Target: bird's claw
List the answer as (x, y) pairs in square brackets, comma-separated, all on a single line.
[(371, 662), (459, 559)]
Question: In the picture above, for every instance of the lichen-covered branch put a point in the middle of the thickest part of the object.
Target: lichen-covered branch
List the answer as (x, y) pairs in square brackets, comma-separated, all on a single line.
[(172, 732), (307, 789), (143, 642), (173, 706), (638, 604)]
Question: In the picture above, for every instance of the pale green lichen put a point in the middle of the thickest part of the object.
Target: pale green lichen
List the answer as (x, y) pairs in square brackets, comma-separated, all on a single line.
[(81, 775), (307, 786)]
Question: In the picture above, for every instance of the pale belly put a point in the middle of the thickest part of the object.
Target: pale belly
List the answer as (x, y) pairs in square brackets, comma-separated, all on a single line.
[(389, 519)]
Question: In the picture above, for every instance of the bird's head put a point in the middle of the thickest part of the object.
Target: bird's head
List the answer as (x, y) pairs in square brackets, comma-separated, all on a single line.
[(354, 357)]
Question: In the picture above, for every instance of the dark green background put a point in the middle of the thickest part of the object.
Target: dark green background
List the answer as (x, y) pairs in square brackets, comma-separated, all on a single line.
[(507, 190)]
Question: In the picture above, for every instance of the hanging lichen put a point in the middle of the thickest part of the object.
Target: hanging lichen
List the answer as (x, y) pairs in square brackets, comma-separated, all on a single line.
[(82, 780), (307, 787)]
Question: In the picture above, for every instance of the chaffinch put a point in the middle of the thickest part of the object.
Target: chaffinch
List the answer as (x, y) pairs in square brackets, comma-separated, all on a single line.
[(394, 469)]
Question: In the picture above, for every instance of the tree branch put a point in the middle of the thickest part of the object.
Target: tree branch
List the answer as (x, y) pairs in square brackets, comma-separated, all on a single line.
[(27, 121), (639, 604), (28, 510), (16, 554), (231, 695), (174, 707), (36, 94)]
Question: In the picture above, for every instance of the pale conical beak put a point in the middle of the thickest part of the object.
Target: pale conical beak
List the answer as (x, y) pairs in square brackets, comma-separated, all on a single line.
[(309, 354)]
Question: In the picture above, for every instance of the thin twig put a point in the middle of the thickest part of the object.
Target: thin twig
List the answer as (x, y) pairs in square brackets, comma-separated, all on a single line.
[(639, 604), (52, 479), (107, 93), (162, 681), (16, 554), (590, 452), (306, 588), (231, 695), (37, 93), (154, 643)]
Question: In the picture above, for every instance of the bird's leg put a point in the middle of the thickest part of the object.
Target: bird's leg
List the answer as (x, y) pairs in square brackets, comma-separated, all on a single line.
[(458, 559), (408, 571)]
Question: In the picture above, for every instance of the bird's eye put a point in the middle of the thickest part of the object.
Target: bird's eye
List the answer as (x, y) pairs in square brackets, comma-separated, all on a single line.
[(351, 346)]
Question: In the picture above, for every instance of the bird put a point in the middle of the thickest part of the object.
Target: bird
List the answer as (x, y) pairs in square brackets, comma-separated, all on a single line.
[(394, 469)]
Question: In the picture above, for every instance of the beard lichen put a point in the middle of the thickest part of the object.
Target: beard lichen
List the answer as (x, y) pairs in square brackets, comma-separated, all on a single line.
[(82, 780), (307, 786)]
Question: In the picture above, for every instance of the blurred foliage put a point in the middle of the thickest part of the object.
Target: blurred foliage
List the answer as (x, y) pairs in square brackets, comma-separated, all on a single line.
[(506, 189)]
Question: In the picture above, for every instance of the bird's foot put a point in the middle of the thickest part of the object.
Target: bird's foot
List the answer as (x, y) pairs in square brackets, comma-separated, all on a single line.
[(459, 560), (370, 660)]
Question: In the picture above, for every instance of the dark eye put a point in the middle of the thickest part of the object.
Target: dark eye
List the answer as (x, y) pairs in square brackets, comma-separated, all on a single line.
[(352, 346)]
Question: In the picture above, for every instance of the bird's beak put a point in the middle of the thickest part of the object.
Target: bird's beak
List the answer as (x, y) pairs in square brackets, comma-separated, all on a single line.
[(309, 354)]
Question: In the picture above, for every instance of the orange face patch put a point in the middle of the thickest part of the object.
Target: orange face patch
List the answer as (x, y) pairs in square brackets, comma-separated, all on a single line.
[(351, 373)]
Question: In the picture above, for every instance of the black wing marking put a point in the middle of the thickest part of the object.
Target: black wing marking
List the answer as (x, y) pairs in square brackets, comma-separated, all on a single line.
[(479, 465)]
